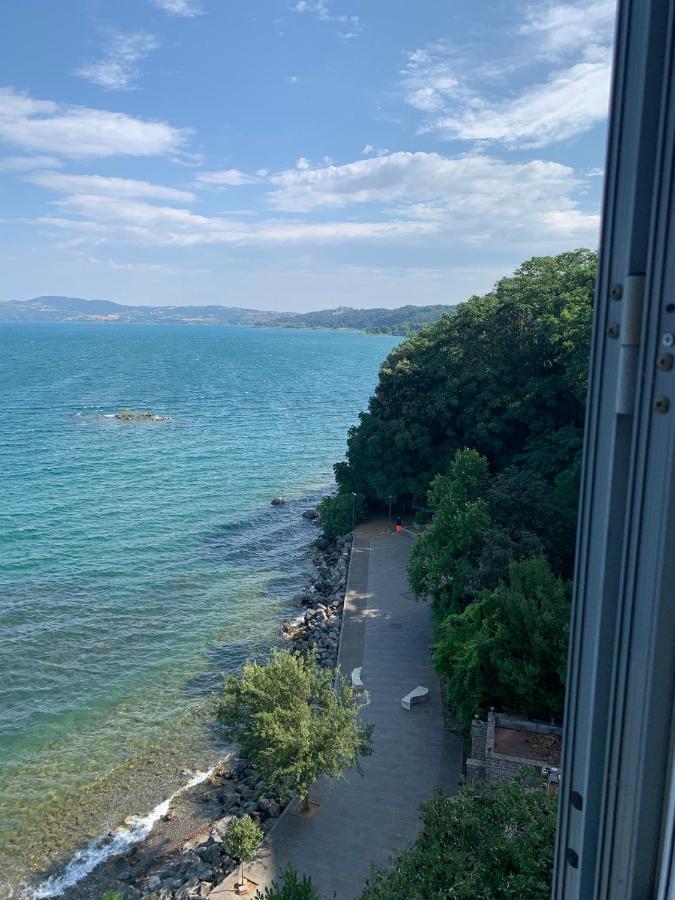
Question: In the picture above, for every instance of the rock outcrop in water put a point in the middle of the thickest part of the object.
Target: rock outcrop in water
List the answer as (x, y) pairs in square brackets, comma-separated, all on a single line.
[(142, 415)]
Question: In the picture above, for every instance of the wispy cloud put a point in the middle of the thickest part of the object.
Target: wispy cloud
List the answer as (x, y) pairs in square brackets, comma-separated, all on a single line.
[(470, 199), (186, 9), (569, 103), (107, 186), (323, 12), (468, 100), (80, 131), (118, 67), (225, 178), (28, 163), (565, 27)]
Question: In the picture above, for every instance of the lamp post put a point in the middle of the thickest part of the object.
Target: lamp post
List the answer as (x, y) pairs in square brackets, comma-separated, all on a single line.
[(353, 511), (390, 499)]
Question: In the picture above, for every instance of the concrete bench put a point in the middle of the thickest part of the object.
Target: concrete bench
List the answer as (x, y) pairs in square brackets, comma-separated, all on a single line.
[(357, 684), (418, 695)]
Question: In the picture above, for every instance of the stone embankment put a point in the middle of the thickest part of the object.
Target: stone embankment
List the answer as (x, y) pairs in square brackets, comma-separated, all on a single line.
[(235, 787), (203, 861), (318, 630)]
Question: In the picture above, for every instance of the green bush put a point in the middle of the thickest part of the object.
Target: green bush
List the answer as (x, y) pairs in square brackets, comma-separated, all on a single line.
[(242, 840), (290, 888), (338, 514), (292, 722), (509, 649), (490, 843)]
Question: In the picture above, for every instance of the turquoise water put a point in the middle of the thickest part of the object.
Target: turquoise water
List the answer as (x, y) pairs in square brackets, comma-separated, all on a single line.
[(140, 560)]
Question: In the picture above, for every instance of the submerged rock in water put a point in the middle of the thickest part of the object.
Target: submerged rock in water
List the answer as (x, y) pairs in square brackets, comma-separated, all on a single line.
[(279, 501), (142, 415)]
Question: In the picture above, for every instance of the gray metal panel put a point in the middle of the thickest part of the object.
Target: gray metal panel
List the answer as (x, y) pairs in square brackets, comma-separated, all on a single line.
[(619, 695)]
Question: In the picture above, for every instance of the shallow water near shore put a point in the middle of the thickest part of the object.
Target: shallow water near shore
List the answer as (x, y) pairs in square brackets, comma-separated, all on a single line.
[(139, 560)]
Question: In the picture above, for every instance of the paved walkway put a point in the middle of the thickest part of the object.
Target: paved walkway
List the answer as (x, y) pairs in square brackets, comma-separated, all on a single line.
[(360, 821)]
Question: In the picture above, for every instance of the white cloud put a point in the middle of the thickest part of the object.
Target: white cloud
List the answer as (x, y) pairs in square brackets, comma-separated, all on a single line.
[(470, 199), (571, 102), (145, 223), (80, 131), (118, 67), (187, 9), (322, 11), (566, 27), (302, 163), (463, 97), (107, 186), (429, 77), (28, 163), (227, 178), (292, 79)]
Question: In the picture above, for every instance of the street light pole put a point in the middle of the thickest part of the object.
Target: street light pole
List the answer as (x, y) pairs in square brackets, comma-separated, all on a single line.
[(390, 499), (353, 511)]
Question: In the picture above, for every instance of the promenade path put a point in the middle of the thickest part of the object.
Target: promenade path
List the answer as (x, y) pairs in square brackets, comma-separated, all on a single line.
[(361, 820)]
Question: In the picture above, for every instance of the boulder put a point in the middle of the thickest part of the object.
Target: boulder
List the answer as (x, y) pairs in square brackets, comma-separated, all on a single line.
[(279, 501)]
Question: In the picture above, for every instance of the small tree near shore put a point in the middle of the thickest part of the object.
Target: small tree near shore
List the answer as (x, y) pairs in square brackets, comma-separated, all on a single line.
[(339, 514), (242, 840), (293, 723)]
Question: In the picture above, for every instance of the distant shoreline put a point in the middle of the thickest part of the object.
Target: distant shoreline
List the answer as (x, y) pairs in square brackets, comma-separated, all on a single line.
[(398, 322)]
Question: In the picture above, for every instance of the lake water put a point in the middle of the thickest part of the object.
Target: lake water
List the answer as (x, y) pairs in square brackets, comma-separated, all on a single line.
[(140, 560)]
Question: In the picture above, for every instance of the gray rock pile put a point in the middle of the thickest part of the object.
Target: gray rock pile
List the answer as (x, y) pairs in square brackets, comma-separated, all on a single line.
[(318, 629), (203, 861)]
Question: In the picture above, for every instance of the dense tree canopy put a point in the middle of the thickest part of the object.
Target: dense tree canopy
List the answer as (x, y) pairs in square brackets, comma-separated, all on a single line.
[(509, 649), (505, 375), (493, 845)]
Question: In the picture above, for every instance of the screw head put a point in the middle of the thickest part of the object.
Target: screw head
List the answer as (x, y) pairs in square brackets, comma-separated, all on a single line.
[(665, 361), (616, 292), (661, 404), (668, 339), (613, 330)]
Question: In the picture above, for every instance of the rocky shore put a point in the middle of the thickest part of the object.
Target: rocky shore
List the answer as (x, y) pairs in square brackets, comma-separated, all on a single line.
[(185, 857)]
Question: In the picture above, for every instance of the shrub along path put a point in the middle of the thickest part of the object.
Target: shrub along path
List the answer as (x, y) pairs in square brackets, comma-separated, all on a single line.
[(359, 821)]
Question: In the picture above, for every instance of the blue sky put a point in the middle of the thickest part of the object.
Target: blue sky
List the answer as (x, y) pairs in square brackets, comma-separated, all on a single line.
[(296, 154)]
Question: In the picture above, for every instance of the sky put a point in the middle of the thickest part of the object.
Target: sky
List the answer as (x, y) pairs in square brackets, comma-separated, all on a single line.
[(296, 154)]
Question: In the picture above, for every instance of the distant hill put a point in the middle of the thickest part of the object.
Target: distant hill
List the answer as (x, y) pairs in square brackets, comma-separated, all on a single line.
[(75, 309), (401, 321)]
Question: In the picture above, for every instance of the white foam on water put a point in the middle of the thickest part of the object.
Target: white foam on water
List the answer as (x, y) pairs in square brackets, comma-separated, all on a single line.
[(102, 848)]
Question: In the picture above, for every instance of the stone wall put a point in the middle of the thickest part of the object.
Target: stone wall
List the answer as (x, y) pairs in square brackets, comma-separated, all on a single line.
[(485, 764)]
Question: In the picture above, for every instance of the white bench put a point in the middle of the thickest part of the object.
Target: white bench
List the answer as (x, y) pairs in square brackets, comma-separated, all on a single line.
[(418, 695), (357, 684)]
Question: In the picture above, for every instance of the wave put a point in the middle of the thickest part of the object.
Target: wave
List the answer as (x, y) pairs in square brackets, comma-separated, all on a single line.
[(103, 848)]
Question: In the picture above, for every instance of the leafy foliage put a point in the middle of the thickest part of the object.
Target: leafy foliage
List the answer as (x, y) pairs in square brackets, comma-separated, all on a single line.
[(481, 523), (493, 845), (509, 649), (243, 838), (338, 514), (505, 374), (292, 722), (290, 888)]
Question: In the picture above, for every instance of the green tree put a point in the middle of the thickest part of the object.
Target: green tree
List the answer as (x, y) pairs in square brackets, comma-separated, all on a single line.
[(338, 514), (290, 887), (493, 844), (509, 649), (444, 561), (505, 374), (242, 840), (293, 722)]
